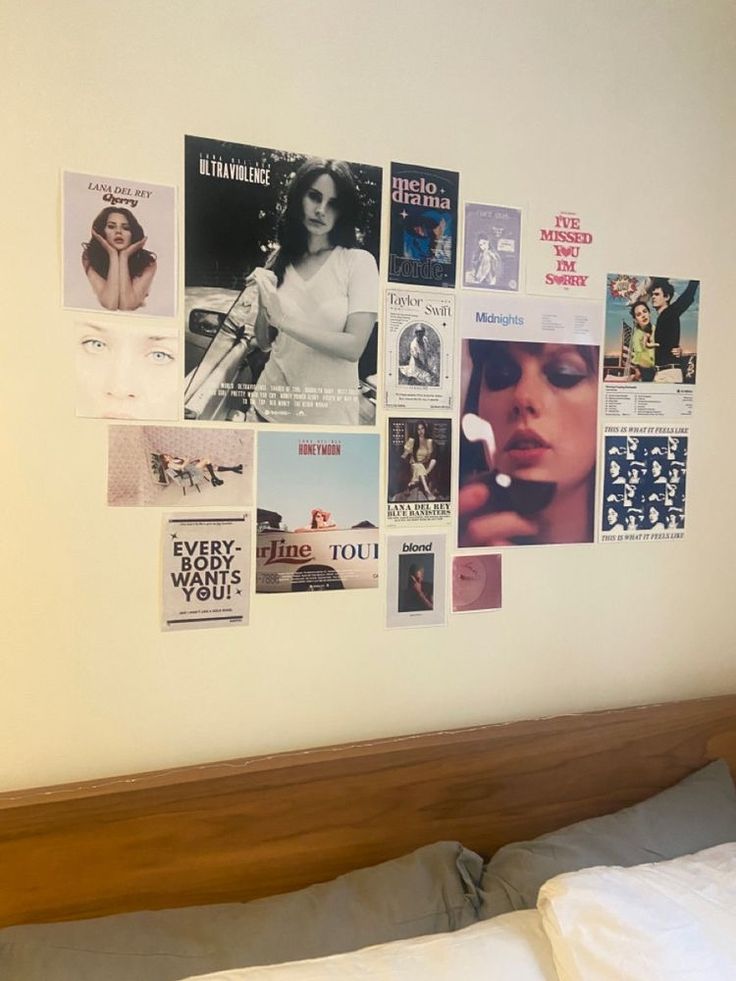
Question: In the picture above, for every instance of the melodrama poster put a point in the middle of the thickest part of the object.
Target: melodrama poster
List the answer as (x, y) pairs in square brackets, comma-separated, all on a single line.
[(206, 570), (119, 248), (415, 581), (317, 511), (651, 345), (424, 213), (281, 276)]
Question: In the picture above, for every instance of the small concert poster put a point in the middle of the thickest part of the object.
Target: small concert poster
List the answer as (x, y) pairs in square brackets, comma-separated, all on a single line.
[(206, 570), (492, 253), (424, 216)]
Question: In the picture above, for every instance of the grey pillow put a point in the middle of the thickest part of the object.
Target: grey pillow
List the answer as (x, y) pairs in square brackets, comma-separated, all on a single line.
[(432, 890), (696, 813)]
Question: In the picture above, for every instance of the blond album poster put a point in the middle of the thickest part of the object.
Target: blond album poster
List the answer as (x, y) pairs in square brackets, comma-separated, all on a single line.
[(415, 581), (529, 420), (206, 570), (317, 511), (419, 345), (119, 245), (281, 277), (160, 466), (127, 370)]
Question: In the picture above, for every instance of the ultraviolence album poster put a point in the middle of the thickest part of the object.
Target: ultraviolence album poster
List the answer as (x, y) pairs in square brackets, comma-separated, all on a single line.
[(281, 285), (424, 215)]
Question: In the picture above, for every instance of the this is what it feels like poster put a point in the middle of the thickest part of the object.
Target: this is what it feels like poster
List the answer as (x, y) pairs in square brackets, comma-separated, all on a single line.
[(423, 240)]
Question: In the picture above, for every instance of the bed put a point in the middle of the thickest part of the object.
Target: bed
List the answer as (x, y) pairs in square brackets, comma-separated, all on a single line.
[(232, 832)]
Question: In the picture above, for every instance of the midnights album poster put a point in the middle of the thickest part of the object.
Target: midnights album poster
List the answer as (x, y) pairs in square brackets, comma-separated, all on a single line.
[(423, 240)]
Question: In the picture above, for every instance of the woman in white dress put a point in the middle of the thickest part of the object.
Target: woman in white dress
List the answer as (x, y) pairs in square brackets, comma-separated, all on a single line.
[(319, 298)]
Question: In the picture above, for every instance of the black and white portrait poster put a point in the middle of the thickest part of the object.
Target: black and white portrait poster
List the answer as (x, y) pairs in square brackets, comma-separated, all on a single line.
[(644, 483), (419, 344), (492, 252), (415, 581), (206, 570), (119, 245), (419, 464), (281, 276), (192, 466)]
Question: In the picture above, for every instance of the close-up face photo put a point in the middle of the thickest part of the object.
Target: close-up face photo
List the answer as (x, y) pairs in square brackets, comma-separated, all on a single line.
[(118, 231), (127, 371), (541, 401), (320, 206)]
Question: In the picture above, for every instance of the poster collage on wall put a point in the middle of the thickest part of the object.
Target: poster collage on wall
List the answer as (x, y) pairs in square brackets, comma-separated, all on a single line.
[(423, 381)]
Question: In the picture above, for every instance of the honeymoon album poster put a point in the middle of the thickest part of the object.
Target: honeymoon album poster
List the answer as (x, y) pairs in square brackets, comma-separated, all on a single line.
[(119, 247), (281, 277), (651, 345), (317, 511), (423, 237)]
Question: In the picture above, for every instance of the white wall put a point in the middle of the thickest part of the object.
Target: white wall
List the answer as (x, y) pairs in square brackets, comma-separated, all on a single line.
[(621, 110)]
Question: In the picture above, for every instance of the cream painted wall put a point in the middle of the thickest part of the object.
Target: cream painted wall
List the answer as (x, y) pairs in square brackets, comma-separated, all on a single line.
[(622, 110)]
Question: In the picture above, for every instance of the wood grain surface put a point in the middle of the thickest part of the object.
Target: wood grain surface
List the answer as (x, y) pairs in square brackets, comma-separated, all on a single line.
[(245, 828)]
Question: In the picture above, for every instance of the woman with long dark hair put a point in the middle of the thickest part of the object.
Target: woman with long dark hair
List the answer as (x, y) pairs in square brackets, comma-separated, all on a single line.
[(119, 268), (319, 292), (539, 403)]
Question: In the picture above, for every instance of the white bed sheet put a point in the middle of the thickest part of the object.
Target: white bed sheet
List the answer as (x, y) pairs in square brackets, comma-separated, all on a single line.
[(511, 947)]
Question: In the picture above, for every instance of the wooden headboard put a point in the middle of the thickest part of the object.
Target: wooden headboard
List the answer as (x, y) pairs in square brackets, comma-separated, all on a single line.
[(253, 827)]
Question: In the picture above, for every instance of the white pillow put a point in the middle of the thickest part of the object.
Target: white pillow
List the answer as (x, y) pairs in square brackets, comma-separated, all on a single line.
[(659, 922), (511, 947)]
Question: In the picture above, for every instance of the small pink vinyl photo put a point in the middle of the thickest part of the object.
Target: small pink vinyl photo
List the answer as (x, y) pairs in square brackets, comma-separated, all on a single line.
[(476, 583)]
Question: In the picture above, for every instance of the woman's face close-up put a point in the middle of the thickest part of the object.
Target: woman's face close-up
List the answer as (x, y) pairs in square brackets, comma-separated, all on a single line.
[(421, 429), (612, 516), (614, 468), (541, 402), (117, 231), (653, 515), (127, 372), (319, 205), (641, 316)]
